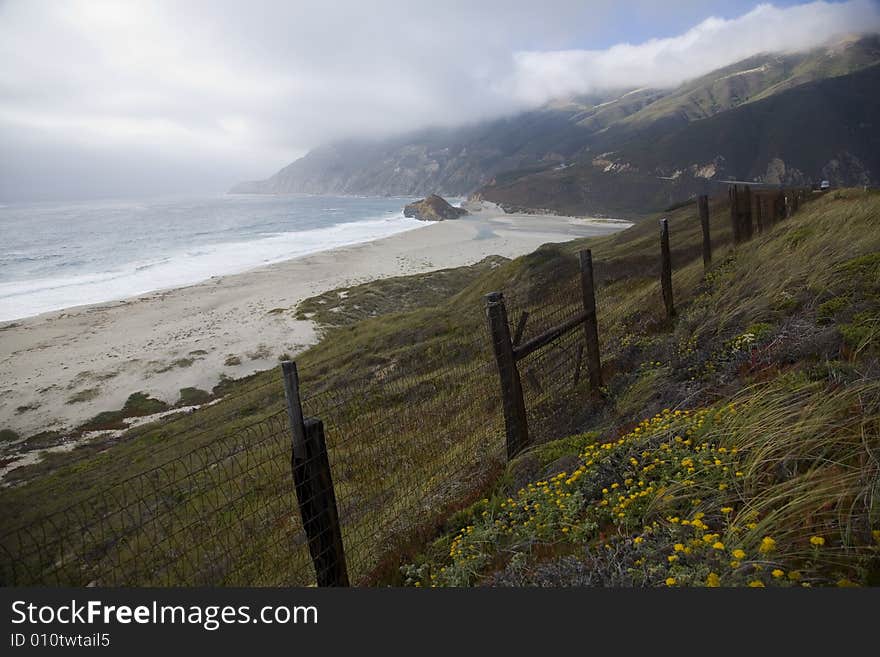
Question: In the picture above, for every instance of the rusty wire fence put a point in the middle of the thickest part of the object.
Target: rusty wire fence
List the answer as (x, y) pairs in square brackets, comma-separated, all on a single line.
[(216, 514), (555, 379), (214, 502)]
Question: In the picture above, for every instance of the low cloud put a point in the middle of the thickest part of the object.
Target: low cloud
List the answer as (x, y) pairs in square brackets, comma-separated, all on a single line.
[(107, 98), (714, 43)]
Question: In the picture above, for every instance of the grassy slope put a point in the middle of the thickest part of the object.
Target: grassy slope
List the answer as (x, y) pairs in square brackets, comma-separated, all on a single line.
[(835, 113), (742, 447), (753, 79), (778, 280)]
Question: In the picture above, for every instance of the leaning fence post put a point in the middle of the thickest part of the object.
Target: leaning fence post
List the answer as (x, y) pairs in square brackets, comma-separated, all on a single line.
[(703, 203), (314, 487), (591, 325), (515, 422), (666, 269)]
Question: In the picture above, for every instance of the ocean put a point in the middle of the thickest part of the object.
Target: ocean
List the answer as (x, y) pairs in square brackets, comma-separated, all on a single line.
[(54, 255)]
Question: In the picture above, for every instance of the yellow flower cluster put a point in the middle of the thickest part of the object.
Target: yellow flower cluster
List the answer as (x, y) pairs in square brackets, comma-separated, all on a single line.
[(663, 467)]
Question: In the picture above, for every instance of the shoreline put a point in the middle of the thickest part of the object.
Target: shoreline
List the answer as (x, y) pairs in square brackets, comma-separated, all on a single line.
[(63, 367)]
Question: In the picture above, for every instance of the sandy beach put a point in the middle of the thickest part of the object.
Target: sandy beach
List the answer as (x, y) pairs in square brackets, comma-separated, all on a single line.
[(60, 368)]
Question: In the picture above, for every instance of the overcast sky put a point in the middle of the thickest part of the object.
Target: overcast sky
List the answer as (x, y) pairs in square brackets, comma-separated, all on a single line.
[(114, 99)]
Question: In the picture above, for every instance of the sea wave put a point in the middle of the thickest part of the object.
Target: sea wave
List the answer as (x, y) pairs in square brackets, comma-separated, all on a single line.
[(187, 266)]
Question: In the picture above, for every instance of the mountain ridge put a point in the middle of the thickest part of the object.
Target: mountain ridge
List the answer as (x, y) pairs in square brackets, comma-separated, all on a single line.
[(575, 132)]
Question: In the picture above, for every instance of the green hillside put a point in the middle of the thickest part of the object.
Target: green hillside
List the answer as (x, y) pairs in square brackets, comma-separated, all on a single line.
[(753, 79), (810, 125), (817, 130), (737, 448)]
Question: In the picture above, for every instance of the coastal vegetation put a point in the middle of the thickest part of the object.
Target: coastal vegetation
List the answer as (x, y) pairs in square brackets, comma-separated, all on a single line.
[(737, 445)]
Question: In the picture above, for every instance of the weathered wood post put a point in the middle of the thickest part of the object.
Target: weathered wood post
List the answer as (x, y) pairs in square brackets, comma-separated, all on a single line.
[(758, 199), (591, 325), (666, 269), (780, 205), (314, 487), (745, 207), (515, 421), (734, 214), (703, 203), (741, 212)]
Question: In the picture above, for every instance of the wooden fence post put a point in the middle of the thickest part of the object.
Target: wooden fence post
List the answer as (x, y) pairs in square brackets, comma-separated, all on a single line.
[(703, 203), (741, 212), (758, 199), (515, 421), (666, 269), (314, 487), (591, 325), (734, 214), (745, 207)]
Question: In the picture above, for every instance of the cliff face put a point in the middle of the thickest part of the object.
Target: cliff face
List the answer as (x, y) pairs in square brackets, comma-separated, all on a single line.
[(451, 161), (433, 208), (780, 118)]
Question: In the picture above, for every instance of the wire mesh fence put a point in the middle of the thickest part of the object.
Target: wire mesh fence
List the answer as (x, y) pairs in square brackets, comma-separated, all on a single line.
[(218, 514), (214, 502)]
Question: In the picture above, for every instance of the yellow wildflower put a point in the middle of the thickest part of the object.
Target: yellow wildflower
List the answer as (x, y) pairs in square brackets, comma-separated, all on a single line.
[(756, 584), (638, 539), (713, 580), (817, 541), (767, 545), (718, 545), (739, 554), (678, 547), (670, 581), (777, 573), (794, 575)]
